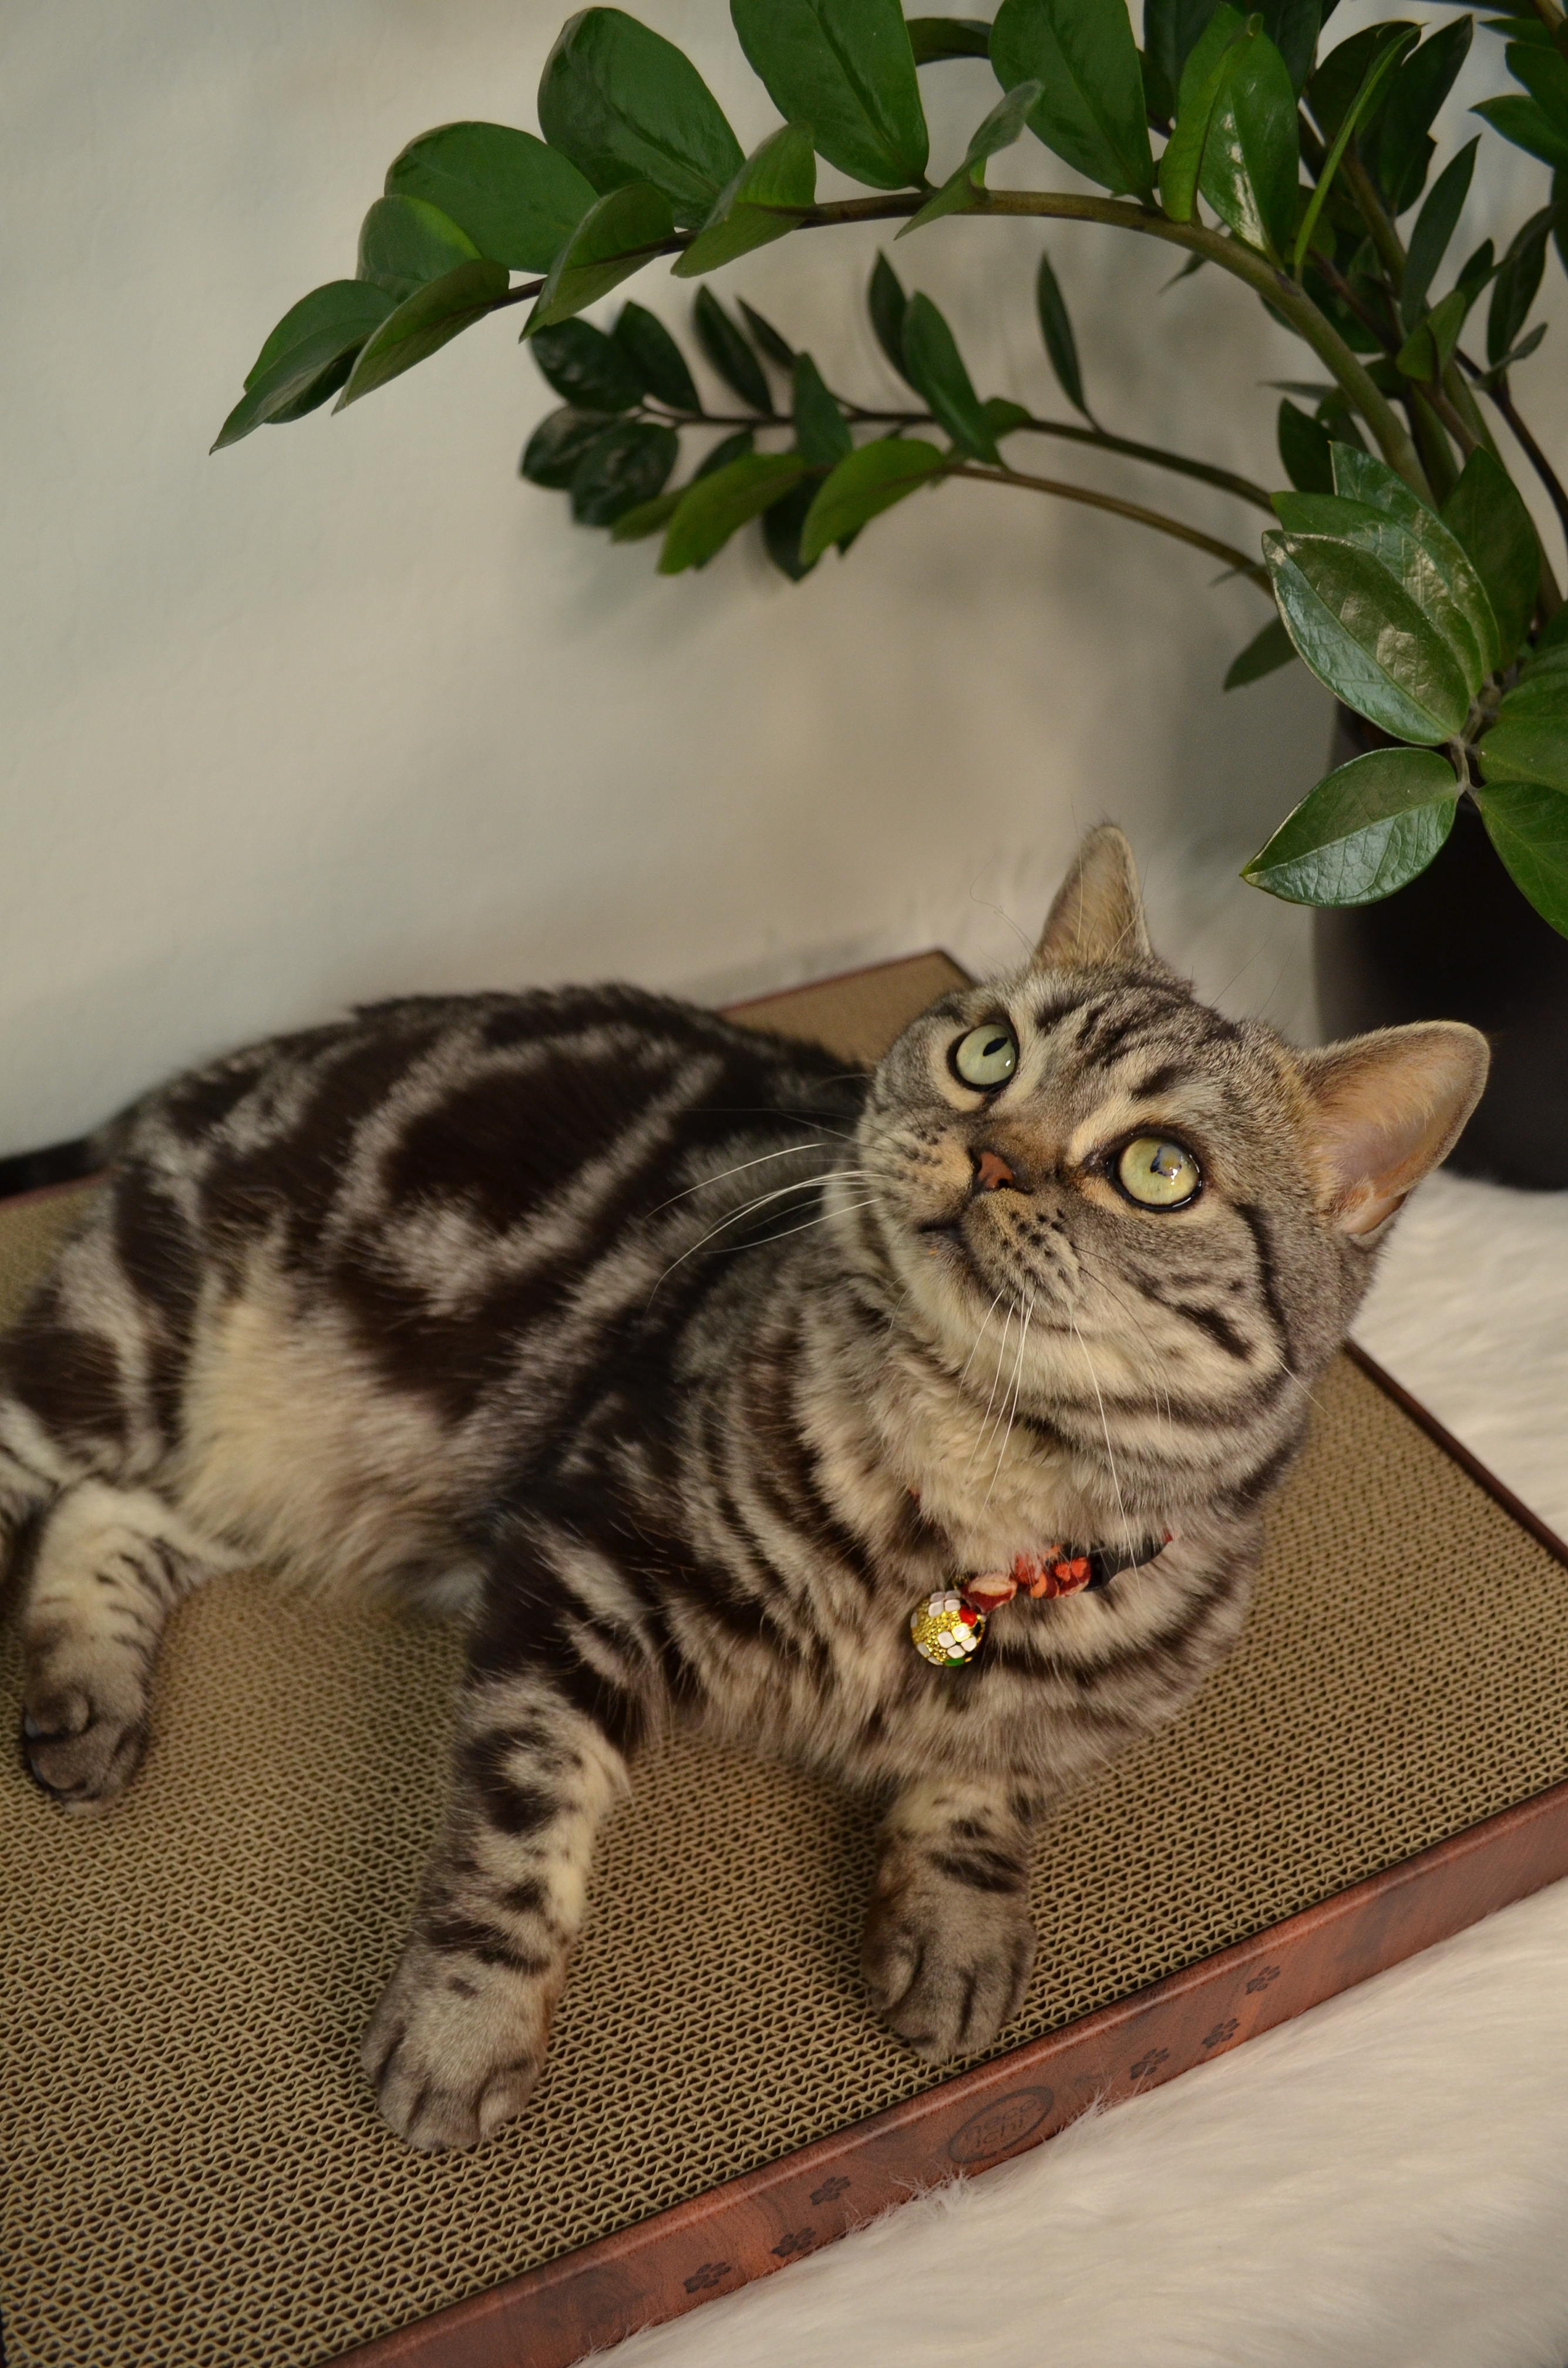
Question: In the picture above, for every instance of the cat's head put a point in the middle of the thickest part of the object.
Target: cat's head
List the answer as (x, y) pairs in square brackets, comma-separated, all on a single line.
[(1172, 1212)]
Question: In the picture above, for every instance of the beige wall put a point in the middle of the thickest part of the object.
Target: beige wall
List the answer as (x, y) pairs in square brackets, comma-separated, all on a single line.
[(347, 710)]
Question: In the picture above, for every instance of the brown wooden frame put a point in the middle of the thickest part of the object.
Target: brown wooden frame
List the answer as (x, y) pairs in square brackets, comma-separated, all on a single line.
[(550, 2317)]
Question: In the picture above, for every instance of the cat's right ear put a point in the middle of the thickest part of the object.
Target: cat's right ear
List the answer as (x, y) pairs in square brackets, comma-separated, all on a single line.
[(1098, 913), (1386, 1108)]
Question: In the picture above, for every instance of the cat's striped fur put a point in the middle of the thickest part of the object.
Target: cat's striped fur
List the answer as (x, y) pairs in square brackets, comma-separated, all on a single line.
[(683, 1364)]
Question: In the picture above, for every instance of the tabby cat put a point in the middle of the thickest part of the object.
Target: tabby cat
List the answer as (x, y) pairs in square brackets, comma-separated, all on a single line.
[(683, 1366)]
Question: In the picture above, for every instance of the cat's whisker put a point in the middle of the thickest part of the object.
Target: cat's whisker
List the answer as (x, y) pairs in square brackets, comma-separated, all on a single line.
[(979, 1338), (790, 1151), (986, 1419), (1016, 1395), (748, 1209), (1105, 1426)]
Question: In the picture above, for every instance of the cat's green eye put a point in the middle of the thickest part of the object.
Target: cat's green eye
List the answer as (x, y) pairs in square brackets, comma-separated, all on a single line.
[(987, 1056), (1157, 1173)]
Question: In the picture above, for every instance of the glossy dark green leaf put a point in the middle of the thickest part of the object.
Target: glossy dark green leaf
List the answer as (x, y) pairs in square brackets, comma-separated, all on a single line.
[(626, 106), (517, 199), (1540, 694), (714, 508), (308, 356), (729, 352), (1361, 477), (1403, 559), (404, 243), (424, 322), (1091, 111), (766, 339), (553, 452), (782, 174), (585, 368), (1304, 450), (1528, 827), (1293, 26), (1363, 636), (1486, 513), (1426, 352), (728, 448), (887, 303), (1525, 123), (871, 479), (1380, 49), (1004, 417), (782, 525), (655, 358), (822, 432), (846, 68), (629, 464), (934, 366), (1518, 283), (617, 236), (1400, 154), (1363, 832), (1208, 67), (1544, 70), (931, 39), (1006, 122), (1530, 740), (1265, 654), (1251, 158), (644, 518), (1170, 29), (1225, 26), (1435, 226), (1056, 328)]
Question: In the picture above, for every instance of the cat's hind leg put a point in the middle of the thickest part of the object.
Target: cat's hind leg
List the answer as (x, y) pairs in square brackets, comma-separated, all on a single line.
[(111, 1562)]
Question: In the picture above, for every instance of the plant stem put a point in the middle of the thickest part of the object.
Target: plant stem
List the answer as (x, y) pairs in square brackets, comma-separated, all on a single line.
[(1253, 569), (1501, 396), (1369, 206)]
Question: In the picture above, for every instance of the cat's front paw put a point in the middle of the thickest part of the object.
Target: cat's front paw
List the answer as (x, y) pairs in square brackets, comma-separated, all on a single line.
[(947, 1966), (455, 2048), (84, 1732)]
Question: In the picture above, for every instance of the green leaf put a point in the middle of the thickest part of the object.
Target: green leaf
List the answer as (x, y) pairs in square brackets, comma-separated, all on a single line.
[(1530, 740), (655, 358), (1006, 122), (1427, 350), (1525, 122), (729, 352), (627, 466), (1528, 827), (714, 508), (934, 366), (585, 367), (766, 339), (887, 303), (1486, 514), (1207, 69), (934, 38), (782, 523), (551, 455), (308, 356), (1251, 158), (1264, 655), (1433, 228), (1363, 636), (1363, 832), (424, 322), (1056, 328), (1304, 450), (1293, 26), (822, 433), (782, 173), (1343, 114), (1518, 283), (628, 106), (846, 68), (517, 199), (1544, 70), (728, 448), (404, 243), (1004, 417), (1360, 477), (1170, 29), (1400, 155), (1091, 110), (1404, 559), (616, 237), (644, 518), (868, 481)]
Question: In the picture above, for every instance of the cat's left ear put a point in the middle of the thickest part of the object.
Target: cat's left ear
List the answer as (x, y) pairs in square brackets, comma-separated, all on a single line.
[(1386, 1108), (1098, 913)]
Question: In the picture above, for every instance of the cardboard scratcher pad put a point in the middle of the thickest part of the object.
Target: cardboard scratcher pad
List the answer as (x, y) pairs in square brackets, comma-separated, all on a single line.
[(191, 2172)]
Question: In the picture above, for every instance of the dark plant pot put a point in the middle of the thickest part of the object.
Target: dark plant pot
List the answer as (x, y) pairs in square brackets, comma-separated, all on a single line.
[(1460, 942)]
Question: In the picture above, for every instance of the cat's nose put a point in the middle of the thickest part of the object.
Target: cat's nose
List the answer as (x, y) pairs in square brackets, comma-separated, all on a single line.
[(992, 1172)]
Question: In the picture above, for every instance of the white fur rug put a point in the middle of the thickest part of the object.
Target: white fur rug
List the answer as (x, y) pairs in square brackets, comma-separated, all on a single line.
[(1380, 2184)]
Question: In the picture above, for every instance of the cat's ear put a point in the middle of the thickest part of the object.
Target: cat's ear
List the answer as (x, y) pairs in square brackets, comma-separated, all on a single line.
[(1098, 914), (1386, 1109)]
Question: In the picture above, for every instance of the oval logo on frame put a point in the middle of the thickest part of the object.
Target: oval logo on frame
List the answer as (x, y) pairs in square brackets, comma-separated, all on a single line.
[(1000, 2126)]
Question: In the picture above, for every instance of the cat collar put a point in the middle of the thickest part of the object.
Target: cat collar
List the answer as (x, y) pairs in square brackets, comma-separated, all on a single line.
[(948, 1627)]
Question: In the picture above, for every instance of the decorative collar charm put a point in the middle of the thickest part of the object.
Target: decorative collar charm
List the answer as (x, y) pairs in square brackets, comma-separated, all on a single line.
[(948, 1626), (947, 1630)]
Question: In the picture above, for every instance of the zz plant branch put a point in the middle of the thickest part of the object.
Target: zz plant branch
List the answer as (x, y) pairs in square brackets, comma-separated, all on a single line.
[(1409, 576)]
